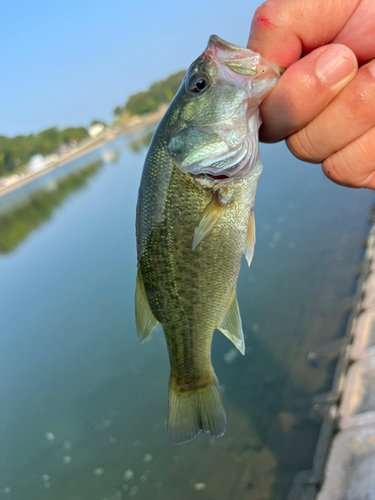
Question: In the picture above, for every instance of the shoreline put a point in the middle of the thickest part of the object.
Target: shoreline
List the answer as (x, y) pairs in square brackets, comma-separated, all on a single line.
[(106, 137)]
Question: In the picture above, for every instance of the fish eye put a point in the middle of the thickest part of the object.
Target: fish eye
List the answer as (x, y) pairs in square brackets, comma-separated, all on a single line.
[(198, 83)]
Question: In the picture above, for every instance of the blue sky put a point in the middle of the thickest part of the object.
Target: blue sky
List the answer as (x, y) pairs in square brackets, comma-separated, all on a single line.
[(67, 62)]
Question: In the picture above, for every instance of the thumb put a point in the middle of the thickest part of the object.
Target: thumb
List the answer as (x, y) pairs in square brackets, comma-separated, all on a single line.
[(283, 30)]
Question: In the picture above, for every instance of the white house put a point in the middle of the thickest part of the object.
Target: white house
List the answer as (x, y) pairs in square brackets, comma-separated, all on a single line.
[(96, 129), (36, 163)]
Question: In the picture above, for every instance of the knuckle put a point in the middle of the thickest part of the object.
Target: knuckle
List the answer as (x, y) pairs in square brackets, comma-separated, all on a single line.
[(359, 98), (332, 170), (356, 100), (365, 147), (303, 145), (341, 170), (290, 103)]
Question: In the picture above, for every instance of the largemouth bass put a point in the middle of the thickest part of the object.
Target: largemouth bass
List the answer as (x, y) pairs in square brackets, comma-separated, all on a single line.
[(195, 220)]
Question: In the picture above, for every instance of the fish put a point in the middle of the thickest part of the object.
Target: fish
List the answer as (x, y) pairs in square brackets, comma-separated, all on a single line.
[(195, 220)]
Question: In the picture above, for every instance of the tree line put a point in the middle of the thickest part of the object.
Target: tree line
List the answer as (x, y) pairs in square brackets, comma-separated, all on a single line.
[(150, 100), (16, 151)]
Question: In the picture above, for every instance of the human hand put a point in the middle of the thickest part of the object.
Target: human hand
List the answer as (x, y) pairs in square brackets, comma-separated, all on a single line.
[(323, 104)]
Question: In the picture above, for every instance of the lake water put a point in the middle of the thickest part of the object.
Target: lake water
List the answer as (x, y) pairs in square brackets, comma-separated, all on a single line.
[(83, 404)]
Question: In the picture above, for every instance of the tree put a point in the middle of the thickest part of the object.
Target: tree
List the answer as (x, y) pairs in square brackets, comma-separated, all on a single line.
[(97, 122), (117, 111), (16, 151), (150, 100)]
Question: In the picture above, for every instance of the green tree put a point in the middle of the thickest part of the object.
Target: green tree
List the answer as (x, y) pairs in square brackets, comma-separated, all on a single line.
[(117, 111), (16, 151), (73, 133), (150, 100), (98, 122), (7, 162)]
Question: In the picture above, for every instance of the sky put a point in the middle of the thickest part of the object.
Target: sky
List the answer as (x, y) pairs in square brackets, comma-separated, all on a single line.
[(65, 63)]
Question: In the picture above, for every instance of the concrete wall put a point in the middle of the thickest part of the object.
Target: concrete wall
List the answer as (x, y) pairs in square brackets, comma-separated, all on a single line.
[(350, 470)]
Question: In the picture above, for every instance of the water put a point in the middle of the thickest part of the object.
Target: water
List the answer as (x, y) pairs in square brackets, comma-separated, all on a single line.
[(83, 405)]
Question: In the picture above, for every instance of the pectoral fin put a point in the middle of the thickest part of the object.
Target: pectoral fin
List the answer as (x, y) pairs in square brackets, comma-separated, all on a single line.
[(250, 242), (211, 215), (231, 324), (144, 318)]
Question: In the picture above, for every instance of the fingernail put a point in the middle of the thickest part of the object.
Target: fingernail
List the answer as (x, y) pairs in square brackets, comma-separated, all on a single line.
[(336, 63), (372, 68)]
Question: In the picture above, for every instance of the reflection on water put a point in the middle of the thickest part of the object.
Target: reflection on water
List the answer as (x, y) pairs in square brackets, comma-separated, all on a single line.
[(17, 223), (136, 145), (83, 405), (110, 155)]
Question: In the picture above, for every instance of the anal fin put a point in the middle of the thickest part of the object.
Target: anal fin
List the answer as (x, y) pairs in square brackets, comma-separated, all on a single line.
[(250, 241), (212, 213), (231, 324), (144, 317)]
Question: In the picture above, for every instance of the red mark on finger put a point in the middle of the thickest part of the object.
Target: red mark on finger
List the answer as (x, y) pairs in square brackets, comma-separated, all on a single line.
[(264, 22)]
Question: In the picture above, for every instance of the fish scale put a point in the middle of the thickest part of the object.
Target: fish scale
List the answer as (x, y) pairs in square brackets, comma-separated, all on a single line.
[(193, 227)]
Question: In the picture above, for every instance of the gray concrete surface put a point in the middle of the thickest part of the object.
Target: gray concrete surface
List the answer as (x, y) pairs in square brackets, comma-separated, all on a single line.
[(350, 469), (358, 400), (350, 473)]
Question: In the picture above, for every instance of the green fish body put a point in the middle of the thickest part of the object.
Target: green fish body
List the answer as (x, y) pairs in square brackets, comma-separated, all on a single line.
[(195, 221)]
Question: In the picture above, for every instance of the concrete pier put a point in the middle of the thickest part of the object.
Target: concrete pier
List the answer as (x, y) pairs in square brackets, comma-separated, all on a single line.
[(350, 469), (344, 462)]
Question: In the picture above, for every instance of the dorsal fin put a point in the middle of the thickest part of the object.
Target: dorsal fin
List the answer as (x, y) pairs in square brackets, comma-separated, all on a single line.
[(250, 241), (144, 318), (212, 213), (231, 324)]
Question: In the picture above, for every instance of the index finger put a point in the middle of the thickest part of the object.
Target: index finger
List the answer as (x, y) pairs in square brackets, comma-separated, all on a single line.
[(284, 30)]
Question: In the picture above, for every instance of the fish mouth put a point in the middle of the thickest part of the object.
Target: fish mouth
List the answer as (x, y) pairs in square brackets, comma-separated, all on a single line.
[(220, 43), (240, 60), (227, 149)]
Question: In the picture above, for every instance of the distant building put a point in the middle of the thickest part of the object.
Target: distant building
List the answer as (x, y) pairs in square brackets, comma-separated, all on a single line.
[(36, 163), (96, 129), (51, 158), (62, 149)]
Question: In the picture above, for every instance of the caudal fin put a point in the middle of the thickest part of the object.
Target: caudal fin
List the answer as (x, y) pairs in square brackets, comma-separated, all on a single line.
[(195, 411)]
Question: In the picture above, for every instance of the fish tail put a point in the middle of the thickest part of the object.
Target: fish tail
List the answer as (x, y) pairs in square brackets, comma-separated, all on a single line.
[(195, 410)]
